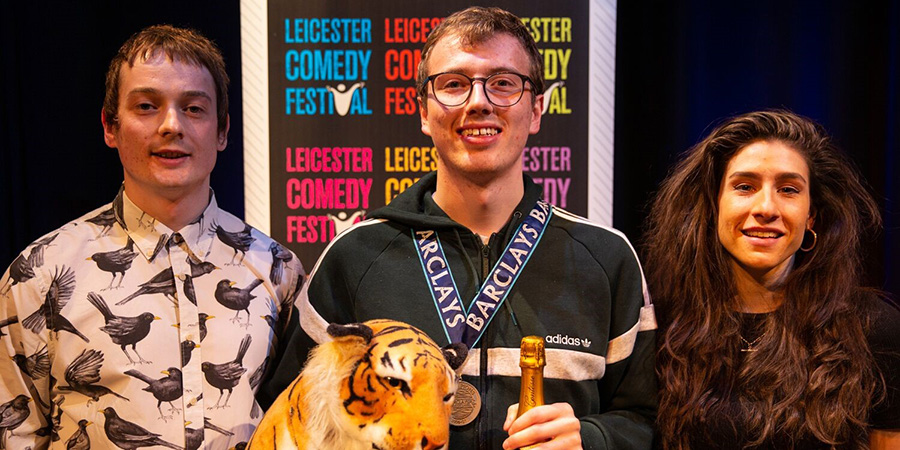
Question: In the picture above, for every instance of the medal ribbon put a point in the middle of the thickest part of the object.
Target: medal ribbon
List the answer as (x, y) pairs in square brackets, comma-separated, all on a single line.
[(467, 326)]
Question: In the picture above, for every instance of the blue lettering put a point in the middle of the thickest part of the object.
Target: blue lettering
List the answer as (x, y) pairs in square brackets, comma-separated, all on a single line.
[(291, 72), (359, 105), (330, 65), (307, 101), (327, 31)]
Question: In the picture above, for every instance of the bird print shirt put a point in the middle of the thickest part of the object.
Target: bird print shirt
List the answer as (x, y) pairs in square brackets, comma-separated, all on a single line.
[(122, 333)]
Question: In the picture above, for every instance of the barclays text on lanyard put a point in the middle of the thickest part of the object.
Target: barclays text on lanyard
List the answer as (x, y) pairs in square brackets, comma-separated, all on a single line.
[(468, 326)]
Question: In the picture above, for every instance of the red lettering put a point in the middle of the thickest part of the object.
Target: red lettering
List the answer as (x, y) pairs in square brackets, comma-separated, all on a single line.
[(391, 72), (293, 200), (387, 30), (402, 64), (409, 30), (329, 159), (400, 101), (309, 229)]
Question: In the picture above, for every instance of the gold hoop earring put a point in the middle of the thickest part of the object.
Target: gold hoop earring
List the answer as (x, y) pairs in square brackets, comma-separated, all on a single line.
[(815, 240)]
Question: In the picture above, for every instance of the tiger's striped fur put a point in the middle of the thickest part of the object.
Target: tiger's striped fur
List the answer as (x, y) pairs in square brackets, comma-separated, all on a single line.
[(378, 385)]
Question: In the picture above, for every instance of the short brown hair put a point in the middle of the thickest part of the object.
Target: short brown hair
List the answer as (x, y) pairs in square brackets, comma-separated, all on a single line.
[(475, 25), (176, 43)]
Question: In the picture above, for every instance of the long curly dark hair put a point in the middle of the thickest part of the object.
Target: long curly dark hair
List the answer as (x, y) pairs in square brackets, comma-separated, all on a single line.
[(814, 374)]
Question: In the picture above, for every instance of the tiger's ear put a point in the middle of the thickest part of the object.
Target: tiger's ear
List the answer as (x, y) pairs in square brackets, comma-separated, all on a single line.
[(337, 331), (455, 354)]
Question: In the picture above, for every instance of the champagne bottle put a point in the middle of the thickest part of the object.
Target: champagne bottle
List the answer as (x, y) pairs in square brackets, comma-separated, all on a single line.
[(531, 361)]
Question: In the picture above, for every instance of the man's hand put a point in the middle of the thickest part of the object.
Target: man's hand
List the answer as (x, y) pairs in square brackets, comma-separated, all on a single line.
[(552, 426)]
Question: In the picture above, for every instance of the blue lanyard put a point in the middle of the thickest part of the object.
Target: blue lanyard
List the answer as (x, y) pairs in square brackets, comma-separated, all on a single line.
[(467, 326)]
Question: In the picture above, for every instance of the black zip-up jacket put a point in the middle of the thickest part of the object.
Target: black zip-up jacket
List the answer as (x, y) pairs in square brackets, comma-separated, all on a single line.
[(583, 290)]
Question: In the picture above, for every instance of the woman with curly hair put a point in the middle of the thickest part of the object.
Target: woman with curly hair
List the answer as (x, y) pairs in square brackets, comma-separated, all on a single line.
[(767, 339)]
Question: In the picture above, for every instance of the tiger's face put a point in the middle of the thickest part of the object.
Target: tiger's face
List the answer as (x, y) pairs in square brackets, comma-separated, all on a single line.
[(399, 394), (380, 385)]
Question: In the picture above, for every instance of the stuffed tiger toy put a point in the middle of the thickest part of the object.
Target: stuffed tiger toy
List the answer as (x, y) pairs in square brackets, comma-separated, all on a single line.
[(381, 384)]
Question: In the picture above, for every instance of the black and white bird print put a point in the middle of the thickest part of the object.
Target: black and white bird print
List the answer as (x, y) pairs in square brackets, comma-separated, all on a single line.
[(83, 374), (7, 322), (225, 376), (52, 428), (193, 437), (239, 241), (36, 257), (80, 439), (164, 281), (116, 262), (12, 414), (280, 255), (189, 290), (236, 299), (199, 268), (193, 402), (160, 244), (123, 330), (203, 330), (165, 389), (161, 283), (272, 318), (151, 222), (129, 435), (199, 222), (187, 348), (255, 379), (36, 366), (22, 268), (62, 285), (104, 220), (20, 271), (88, 369)]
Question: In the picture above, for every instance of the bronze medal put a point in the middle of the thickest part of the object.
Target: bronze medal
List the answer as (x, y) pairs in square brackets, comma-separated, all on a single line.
[(466, 406)]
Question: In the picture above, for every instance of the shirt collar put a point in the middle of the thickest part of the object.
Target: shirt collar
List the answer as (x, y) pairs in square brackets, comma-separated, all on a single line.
[(151, 236)]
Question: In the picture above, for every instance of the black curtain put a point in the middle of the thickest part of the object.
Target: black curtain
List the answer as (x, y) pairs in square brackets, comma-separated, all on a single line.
[(681, 66)]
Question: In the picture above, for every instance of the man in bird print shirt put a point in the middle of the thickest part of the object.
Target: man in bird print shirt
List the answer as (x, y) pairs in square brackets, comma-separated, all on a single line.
[(149, 321)]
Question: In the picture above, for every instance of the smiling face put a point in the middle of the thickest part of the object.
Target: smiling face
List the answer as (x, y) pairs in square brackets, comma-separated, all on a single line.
[(166, 130), (477, 140), (764, 208)]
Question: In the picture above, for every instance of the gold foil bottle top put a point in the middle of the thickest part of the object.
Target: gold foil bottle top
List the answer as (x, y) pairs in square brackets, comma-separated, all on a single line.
[(531, 352)]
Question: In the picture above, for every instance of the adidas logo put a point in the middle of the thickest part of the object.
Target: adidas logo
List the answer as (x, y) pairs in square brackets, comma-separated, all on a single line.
[(570, 341)]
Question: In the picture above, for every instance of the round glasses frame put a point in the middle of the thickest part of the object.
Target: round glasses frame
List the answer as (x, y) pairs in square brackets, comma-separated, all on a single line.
[(484, 86)]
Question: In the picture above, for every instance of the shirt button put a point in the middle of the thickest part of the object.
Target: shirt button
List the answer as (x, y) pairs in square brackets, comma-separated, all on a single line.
[(180, 276)]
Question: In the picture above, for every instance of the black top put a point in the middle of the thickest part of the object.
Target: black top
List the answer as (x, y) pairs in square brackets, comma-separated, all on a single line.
[(582, 289), (884, 340), (724, 426)]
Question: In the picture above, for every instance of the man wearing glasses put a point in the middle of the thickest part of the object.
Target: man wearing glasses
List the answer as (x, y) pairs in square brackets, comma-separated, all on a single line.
[(472, 254)]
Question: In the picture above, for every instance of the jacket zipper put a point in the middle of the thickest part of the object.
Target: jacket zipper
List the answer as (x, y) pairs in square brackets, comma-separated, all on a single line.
[(482, 372)]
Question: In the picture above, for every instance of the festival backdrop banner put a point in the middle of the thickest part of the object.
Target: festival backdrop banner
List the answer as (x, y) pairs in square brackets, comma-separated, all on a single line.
[(332, 127)]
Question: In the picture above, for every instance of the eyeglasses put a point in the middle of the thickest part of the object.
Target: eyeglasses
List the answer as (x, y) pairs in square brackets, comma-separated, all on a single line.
[(501, 89)]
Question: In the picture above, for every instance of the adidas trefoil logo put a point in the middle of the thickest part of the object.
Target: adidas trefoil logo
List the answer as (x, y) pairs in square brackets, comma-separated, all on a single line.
[(569, 341)]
